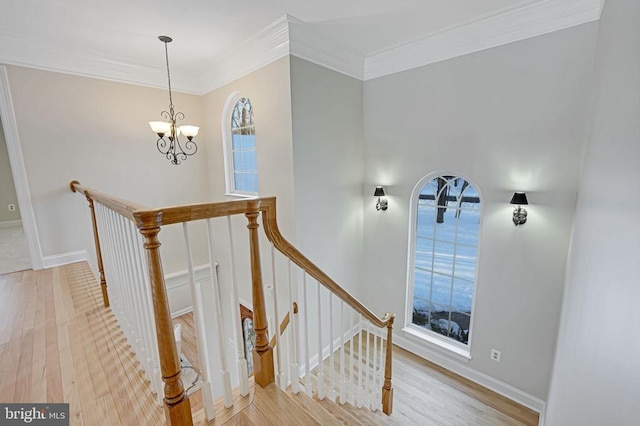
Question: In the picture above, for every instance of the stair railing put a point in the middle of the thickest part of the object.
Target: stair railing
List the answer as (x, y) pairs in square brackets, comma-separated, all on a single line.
[(352, 345)]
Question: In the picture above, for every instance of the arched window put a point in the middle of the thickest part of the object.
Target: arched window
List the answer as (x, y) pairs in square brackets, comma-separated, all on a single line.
[(240, 147), (446, 213)]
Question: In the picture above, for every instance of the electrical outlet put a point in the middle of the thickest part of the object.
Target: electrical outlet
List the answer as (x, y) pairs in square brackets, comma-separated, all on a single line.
[(495, 355), (12, 207)]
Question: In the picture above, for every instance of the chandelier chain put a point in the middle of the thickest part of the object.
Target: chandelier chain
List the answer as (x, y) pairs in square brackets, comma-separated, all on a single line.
[(166, 53)]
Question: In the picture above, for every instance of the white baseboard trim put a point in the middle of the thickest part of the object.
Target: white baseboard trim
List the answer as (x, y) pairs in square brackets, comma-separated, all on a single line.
[(64, 259), (10, 223), (181, 312), (504, 389), (179, 291)]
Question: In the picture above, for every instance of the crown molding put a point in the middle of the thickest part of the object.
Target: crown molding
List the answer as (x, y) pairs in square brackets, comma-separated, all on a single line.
[(311, 46), (288, 35), (506, 26), (268, 45), (65, 59)]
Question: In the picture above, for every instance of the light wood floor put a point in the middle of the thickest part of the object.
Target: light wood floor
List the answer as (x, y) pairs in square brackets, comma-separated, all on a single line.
[(59, 344)]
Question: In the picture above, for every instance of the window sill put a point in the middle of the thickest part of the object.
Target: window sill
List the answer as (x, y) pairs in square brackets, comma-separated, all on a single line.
[(239, 195), (434, 342)]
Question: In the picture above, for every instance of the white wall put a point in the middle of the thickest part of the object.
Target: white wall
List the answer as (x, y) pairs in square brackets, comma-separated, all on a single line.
[(510, 118), (97, 132), (327, 160), (597, 367)]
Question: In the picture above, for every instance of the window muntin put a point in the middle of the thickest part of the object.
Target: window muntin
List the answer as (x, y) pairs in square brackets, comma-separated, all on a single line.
[(448, 211), (244, 173)]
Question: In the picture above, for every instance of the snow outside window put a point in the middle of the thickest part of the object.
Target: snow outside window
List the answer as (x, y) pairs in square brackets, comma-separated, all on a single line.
[(444, 259)]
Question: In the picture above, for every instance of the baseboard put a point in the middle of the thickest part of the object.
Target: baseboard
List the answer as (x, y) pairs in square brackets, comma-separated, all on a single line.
[(10, 223), (181, 312), (504, 389), (64, 259), (179, 291)]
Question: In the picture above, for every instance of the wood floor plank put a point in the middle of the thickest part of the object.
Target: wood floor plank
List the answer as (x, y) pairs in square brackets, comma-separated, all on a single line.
[(62, 345)]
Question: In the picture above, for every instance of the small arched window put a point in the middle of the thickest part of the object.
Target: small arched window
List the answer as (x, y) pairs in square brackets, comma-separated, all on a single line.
[(446, 213), (240, 147)]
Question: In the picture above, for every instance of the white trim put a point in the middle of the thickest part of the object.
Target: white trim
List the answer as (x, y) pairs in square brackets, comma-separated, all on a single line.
[(227, 148), (64, 259), (55, 57), (18, 171), (511, 24), (504, 389), (450, 348), (10, 223), (289, 35), (181, 312), (225, 127), (179, 289), (313, 47), (267, 46)]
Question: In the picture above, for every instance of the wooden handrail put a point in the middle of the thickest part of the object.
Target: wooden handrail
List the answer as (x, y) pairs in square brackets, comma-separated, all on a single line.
[(251, 208), (268, 207)]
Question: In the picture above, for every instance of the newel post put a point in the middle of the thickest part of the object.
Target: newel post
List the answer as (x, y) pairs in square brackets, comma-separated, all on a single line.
[(96, 239), (387, 388), (176, 401), (263, 370)]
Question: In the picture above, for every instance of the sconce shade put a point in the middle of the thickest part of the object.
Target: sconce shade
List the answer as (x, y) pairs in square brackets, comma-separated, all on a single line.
[(379, 192), (519, 198)]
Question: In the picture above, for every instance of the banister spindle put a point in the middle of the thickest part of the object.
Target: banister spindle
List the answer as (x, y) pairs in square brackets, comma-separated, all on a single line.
[(263, 370), (176, 401), (96, 239), (387, 388)]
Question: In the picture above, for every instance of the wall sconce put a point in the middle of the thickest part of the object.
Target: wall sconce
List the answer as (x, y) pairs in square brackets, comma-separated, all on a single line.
[(382, 203), (519, 199)]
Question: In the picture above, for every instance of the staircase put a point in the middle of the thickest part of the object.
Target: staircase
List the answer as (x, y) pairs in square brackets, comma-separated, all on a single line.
[(313, 340)]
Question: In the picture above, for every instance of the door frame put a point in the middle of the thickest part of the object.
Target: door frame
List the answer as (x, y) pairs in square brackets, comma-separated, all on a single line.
[(18, 170)]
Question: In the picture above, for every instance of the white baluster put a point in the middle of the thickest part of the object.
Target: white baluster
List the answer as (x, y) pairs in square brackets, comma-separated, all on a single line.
[(307, 373), (215, 291), (281, 379), (352, 398), (343, 385), (381, 369), (137, 298), (375, 385), (157, 374), (241, 361), (360, 394), (201, 335), (366, 366), (293, 336), (332, 391), (320, 354)]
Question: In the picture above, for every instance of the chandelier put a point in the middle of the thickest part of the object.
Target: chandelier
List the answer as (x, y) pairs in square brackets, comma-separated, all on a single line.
[(172, 149)]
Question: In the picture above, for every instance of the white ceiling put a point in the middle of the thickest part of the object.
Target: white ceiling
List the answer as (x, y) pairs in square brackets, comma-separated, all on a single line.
[(116, 39)]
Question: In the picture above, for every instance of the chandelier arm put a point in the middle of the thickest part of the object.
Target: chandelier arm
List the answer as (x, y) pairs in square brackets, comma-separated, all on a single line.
[(161, 144)]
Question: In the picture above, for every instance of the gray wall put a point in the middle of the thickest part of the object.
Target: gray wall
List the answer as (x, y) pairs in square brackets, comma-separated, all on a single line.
[(7, 188), (509, 118), (597, 368), (327, 161)]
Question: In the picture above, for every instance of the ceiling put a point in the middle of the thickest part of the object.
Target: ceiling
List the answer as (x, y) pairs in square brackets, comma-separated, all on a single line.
[(116, 39)]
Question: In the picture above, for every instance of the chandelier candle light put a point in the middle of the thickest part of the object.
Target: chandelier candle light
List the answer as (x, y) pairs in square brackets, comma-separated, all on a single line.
[(172, 149)]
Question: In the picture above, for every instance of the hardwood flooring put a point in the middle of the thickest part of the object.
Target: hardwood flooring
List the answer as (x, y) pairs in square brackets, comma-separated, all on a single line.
[(59, 344)]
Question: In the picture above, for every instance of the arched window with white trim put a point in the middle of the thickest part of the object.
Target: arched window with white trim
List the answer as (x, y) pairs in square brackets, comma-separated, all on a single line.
[(239, 136), (446, 214)]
